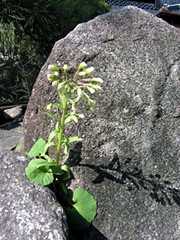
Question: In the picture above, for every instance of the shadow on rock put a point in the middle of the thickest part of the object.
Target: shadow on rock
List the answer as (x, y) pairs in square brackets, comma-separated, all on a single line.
[(160, 190), (90, 233)]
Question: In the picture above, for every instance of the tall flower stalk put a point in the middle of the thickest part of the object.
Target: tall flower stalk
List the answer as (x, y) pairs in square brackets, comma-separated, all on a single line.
[(44, 169)]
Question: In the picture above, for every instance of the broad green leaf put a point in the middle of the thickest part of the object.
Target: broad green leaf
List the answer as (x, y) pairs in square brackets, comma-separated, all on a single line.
[(83, 211), (37, 148), (39, 171)]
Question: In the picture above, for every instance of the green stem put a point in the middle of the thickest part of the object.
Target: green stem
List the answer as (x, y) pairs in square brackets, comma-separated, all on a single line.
[(61, 133)]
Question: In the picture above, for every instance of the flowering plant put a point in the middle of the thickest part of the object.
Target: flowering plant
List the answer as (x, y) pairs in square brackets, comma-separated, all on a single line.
[(46, 170)]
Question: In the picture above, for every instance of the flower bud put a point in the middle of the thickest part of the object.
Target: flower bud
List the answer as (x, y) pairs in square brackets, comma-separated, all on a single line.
[(82, 73), (89, 70), (97, 87), (80, 115), (82, 66), (55, 83), (97, 80), (56, 73), (50, 77), (60, 85), (49, 106), (65, 68), (53, 67)]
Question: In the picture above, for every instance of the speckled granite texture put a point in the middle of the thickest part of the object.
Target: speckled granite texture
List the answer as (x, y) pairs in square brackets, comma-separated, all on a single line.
[(130, 153), (27, 211)]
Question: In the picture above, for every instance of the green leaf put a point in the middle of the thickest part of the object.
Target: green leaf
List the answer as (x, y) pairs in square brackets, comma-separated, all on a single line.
[(37, 148), (50, 114), (39, 171), (66, 148), (46, 157), (66, 169), (71, 117), (52, 135), (56, 105), (49, 144), (74, 139), (56, 169), (73, 104), (83, 211), (67, 141), (62, 99)]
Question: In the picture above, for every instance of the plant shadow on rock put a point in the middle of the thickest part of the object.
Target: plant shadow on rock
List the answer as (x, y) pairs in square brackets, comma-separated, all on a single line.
[(87, 234), (159, 190)]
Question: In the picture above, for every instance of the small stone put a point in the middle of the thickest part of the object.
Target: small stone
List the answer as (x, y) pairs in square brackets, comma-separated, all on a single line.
[(12, 113)]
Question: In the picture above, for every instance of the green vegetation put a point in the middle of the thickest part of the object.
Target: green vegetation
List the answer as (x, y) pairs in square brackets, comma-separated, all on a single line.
[(45, 169), (28, 30)]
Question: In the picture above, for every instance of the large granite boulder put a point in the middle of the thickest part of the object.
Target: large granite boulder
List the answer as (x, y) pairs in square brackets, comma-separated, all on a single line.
[(129, 158), (27, 211)]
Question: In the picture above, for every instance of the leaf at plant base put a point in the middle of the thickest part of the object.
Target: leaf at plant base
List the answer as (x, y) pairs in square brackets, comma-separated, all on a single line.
[(37, 148), (39, 171), (56, 169), (83, 211)]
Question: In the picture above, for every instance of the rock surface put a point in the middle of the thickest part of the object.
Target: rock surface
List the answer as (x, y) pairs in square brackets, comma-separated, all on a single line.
[(27, 211), (10, 136), (130, 153)]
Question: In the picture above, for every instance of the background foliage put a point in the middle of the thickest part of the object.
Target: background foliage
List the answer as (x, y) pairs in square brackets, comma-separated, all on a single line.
[(28, 30)]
